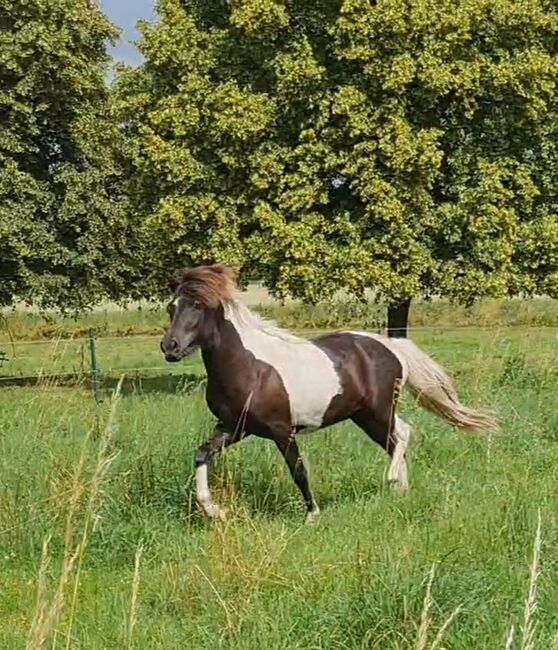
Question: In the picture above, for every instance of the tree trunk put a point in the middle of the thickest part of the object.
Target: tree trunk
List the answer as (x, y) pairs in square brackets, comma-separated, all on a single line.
[(398, 317)]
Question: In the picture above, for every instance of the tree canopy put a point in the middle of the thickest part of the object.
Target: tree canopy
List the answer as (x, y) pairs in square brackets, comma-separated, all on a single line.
[(63, 230), (407, 146)]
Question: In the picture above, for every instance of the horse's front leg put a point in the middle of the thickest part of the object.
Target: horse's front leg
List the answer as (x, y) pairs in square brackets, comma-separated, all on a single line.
[(204, 454), (289, 449)]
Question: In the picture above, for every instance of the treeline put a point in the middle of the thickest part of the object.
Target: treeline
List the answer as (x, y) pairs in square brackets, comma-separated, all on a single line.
[(410, 147)]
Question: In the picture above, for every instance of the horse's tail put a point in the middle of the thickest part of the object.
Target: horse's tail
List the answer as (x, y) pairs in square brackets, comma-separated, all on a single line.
[(430, 384)]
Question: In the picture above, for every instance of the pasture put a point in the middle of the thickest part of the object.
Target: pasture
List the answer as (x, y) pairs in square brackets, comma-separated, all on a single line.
[(102, 545)]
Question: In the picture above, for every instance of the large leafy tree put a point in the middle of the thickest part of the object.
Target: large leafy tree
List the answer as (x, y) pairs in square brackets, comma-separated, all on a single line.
[(470, 88), (63, 229), (404, 146)]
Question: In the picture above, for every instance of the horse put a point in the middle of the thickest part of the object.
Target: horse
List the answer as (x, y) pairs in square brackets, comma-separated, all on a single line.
[(265, 381)]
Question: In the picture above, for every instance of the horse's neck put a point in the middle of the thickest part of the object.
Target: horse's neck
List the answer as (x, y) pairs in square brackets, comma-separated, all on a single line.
[(241, 337), (225, 354)]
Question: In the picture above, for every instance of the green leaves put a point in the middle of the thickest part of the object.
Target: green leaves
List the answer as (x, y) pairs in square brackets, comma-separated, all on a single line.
[(405, 146), (63, 239), (256, 16), (409, 147)]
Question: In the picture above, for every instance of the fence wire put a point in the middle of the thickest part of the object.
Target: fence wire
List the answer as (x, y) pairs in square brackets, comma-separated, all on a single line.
[(68, 360)]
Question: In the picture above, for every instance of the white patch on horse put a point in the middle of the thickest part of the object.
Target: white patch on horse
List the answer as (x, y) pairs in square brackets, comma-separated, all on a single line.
[(397, 472), (308, 374), (176, 302), (391, 346)]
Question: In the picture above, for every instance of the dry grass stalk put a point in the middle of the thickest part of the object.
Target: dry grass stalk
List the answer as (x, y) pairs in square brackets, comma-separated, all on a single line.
[(47, 613), (422, 637), (135, 590), (228, 616), (442, 630), (40, 605), (529, 625), (509, 639)]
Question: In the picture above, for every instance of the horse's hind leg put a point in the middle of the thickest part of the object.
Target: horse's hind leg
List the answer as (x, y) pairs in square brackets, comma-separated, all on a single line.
[(391, 435), (397, 473)]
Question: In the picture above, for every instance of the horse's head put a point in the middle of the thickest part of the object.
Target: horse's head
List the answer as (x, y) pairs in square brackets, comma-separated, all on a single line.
[(183, 334), (198, 294)]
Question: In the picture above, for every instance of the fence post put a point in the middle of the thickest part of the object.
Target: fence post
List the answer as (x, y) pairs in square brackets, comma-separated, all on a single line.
[(94, 368)]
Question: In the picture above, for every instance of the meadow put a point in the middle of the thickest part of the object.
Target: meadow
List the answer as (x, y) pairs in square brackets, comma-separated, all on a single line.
[(102, 545)]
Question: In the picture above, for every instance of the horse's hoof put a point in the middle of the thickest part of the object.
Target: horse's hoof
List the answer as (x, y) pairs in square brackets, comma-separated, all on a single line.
[(213, 511), (312, 516), (399, 487)]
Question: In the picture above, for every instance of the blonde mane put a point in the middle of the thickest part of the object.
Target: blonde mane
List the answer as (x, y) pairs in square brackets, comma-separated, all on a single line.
[(244, 317), (214, 285)]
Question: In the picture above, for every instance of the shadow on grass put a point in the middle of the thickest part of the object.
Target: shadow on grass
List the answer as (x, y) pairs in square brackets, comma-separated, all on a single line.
[(131, 385), (169, 384)]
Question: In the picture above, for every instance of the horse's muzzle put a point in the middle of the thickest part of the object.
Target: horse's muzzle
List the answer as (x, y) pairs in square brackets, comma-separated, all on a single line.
[(173, 352)]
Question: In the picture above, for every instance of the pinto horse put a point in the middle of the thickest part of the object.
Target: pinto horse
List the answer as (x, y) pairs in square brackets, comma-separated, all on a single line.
[(264, 381)]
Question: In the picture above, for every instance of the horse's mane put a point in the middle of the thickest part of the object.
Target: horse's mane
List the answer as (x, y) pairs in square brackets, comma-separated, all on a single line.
[(246, 318), (215, 285), (211, 285)]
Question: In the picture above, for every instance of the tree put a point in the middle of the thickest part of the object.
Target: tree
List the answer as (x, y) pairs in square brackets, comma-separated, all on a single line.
[(186, 133), (399, 145), (63, 228)]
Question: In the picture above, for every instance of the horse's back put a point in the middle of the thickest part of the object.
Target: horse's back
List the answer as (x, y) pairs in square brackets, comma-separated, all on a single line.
[(374, 348)]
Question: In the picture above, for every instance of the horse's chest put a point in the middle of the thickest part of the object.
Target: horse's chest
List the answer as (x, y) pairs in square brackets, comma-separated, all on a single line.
[(224, 406)]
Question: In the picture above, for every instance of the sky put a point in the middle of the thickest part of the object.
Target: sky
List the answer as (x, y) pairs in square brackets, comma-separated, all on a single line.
[(124, 14)]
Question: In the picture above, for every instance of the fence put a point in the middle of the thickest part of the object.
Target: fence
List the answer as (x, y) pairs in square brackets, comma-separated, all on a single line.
[(96, 363)]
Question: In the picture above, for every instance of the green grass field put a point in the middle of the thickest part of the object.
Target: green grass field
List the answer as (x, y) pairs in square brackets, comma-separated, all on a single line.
[(264, 579)]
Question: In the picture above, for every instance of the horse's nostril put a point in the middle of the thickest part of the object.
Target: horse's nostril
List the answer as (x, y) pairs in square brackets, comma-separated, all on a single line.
[(170, 347)]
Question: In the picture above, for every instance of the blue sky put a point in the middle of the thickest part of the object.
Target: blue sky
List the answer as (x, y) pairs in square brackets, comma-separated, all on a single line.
[(125, 14)]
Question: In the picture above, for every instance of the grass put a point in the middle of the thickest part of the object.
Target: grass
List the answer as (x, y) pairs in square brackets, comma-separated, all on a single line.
[(130, 563)]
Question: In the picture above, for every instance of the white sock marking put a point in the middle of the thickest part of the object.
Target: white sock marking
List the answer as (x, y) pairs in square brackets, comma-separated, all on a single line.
[(204, 496), (202, 487), (397, 472)]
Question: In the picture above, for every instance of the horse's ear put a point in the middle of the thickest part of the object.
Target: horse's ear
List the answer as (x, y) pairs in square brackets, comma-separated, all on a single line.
[(174, 283)]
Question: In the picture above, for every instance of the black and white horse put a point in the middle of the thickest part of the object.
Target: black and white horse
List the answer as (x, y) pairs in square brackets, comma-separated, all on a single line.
[(264, 381)]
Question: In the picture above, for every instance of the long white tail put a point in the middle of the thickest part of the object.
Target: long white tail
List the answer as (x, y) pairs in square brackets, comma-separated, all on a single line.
[(434, 390)]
